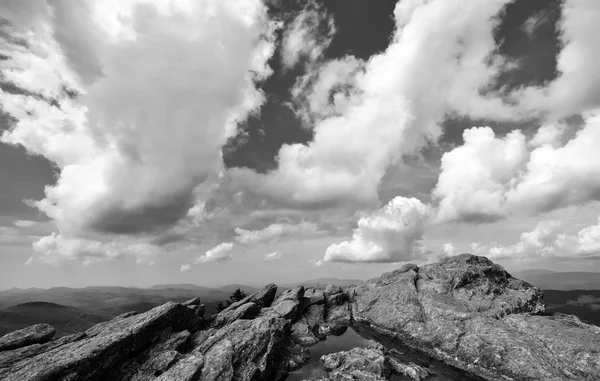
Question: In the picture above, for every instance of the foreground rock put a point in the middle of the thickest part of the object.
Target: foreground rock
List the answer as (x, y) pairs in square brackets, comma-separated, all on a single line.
[(36, 334), (464, 318), (468, 312)]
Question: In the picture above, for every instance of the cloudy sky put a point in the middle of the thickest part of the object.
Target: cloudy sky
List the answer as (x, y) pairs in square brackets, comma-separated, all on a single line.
[(250, 141)]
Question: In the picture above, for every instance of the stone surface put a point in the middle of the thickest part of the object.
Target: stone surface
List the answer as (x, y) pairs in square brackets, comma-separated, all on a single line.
[(365, 364), (470, 313), (35, 334), (465, 317)]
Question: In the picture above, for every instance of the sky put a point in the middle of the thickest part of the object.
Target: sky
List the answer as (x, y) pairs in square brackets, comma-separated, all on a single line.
[(254, 141)]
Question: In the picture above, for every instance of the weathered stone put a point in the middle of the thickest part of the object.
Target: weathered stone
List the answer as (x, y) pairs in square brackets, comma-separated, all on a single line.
[(200, 310), (289, 304), (412, 371), (218, 364), (313, 296), (192, 302), (10, 357), (103, 349), (365, 364), (331, 289), (35, 334), (261, 298), (188, 368), (302, 333), (246, 311), (471, 314)]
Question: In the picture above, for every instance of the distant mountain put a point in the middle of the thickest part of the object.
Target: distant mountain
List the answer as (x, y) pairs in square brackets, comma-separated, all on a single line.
[(230, 288), (562, 280), (180, 286), (320, 282), (65, 319)]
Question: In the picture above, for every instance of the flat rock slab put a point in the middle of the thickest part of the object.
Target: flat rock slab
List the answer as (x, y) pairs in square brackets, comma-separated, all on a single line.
[(35, 334)]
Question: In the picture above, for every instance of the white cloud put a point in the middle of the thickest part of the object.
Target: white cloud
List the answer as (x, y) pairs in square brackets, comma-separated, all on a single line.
[(549, 241), (577, 88), (393, 233), (488, 178), (447, 250), (274, 232), (134, 146), (475, 176), (24, 223), (395, 107), (273, 256), (185, 268), (307, 36), (219, 253)]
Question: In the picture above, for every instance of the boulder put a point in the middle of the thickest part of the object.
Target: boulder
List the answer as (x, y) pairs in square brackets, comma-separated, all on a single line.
[(35, 334), (365, 364), (104, 347), (470, 313)]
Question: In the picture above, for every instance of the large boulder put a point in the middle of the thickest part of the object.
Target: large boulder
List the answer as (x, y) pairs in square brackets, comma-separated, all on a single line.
[(471, 314), (103, 348), (35, 334)]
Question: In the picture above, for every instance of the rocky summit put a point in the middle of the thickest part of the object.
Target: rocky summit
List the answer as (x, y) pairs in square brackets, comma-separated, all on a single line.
[(464, 318)]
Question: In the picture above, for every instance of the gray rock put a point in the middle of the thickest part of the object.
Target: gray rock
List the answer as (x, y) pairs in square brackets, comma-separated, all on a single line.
[(289, 304), (366, 364), (192, 302), (187, 369), (261, 298), (313, 296), (35, 334), (470, 313), (103, 348), (245, 311)]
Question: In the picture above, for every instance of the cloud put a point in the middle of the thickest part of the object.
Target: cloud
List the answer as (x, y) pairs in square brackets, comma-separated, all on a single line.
[(161, 88), (489, 177), (219, 253), (24, 223), (307, 36), (549, 241), (395, 108), (273, 256), (577, 88), (274, 232), (185, 268), (448, 250), (393, 233)]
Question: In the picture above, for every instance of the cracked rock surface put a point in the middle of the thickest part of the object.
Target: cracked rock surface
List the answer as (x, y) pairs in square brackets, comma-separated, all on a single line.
[(463, 316)]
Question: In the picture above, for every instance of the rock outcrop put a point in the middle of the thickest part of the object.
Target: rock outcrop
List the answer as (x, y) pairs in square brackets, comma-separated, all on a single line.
[(470, 313), (35, 334), (464, 316)]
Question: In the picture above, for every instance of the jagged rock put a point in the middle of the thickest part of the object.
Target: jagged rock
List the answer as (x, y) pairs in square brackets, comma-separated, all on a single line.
[(186, 369), (261, 298), (363, 364), (10, 357), (200, 310), (464, 316), (103, 348), (192, 302), (245, 311), (332, 289), (288, 305), (470, 313), (412, 371), (313, 296), (258, 350), (35, 334)]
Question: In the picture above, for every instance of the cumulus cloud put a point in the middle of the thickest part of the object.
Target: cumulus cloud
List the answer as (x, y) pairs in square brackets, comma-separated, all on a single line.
[(185, 268), (577, 88), (394, 108), (448, 250), (393, 233), (273, 256), (219, 253), (307, 36), (489, 177), (274, 232), (132, 101), (548, 240)]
